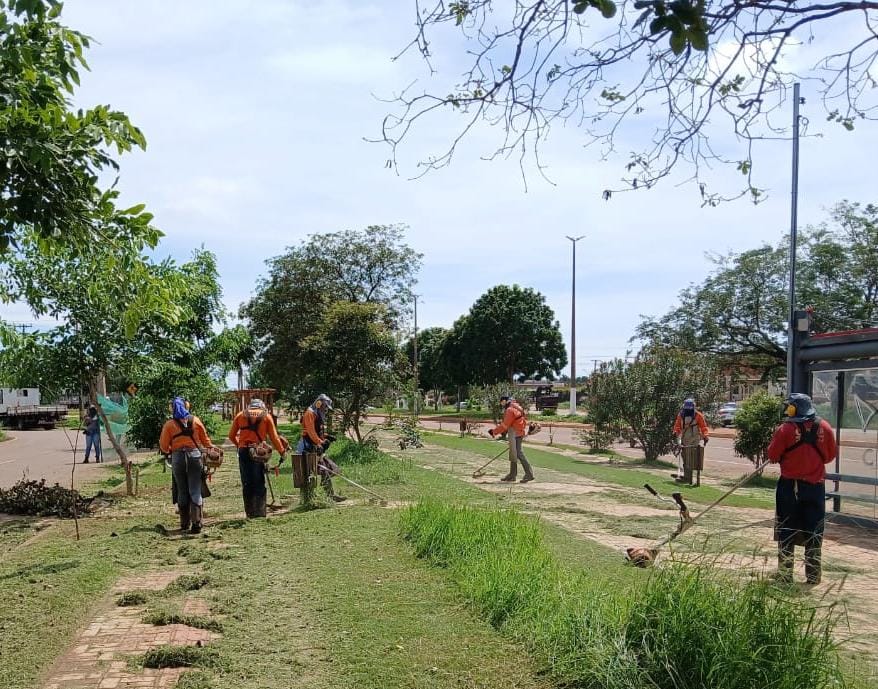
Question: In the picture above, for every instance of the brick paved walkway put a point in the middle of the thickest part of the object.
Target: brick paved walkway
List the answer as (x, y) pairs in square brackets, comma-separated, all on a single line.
[(99, 656)]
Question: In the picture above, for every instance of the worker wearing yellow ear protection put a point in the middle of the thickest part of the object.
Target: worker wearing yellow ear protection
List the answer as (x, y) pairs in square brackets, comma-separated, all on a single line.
[(315, 439), (803, 444)]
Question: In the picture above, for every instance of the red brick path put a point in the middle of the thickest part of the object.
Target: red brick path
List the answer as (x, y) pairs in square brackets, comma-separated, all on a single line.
[(99, 656)]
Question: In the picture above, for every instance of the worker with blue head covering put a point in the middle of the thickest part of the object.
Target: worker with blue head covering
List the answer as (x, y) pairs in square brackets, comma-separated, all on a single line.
[(691, 430), (184, 437)]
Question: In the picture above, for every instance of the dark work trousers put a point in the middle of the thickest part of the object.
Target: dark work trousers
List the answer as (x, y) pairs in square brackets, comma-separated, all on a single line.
[(800, 510), (186, 465), (252, 483)]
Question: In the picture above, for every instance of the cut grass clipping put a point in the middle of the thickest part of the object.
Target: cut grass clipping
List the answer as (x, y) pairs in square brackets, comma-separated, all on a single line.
[(179, 656), (163, 617), (683, 627), (130, 598)]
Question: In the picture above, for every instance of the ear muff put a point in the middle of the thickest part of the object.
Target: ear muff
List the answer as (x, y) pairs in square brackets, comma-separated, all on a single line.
[(790, 410), (318, 404), (188, 406)]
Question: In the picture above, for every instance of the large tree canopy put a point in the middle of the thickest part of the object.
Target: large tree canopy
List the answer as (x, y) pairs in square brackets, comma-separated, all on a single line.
[(51, 155), (371, 266), (508, 331), (665, 75), (740, 310)]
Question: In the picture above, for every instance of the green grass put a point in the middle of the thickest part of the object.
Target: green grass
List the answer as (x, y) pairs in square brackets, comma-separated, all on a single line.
[(164, 616), (628, 477), (677, 628)]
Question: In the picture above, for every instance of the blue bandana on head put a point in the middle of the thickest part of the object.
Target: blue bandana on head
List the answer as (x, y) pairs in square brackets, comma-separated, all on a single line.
[(179, 409)]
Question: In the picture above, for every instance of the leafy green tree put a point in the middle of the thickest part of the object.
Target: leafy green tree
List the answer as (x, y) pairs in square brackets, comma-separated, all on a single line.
[(692, 73), (756, 420), (353, 356), (52, 155), (508, 331), (432, 374), (645, 395), (740, 311), (232, 349), (370, 266)]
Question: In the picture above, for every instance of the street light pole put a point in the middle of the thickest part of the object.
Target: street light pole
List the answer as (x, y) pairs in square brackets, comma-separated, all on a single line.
[(573, 330), (417, 392), (794, 209)]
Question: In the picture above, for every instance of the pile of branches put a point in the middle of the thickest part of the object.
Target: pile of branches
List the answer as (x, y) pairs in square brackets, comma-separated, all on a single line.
[(37, 499)]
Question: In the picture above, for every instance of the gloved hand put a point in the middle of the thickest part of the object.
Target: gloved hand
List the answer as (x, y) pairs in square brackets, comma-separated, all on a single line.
[(283, 456), (325, 445), (491, 432), (705, 441)]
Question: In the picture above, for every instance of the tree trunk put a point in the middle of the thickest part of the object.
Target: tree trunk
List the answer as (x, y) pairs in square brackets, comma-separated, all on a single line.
[(240, 377), (114, 441)]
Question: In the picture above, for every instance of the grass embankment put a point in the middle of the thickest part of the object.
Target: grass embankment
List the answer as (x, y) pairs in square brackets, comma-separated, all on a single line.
[(632, 476), (682, 628), (329, 597)]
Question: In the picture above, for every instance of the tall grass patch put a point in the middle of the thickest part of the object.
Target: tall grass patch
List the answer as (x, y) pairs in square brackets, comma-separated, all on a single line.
[(365, 463), (678, 627)]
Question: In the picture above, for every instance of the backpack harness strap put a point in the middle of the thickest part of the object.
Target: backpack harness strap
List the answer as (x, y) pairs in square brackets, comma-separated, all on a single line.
[(807, 437)]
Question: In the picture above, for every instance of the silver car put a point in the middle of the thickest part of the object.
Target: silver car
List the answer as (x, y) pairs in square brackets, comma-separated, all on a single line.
[(727, 413)]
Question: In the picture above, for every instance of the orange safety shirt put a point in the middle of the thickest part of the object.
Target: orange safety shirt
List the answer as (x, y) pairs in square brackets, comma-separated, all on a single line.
[(240, 434), (309, 427), (171, 439), (804, 462), (514, 419), (699, 419)]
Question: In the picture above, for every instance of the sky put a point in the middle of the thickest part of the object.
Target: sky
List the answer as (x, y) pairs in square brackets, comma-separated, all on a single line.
[(257, 117)]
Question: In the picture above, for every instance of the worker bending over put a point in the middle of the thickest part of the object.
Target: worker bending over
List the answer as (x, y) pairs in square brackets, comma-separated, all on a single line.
[(315, 439)]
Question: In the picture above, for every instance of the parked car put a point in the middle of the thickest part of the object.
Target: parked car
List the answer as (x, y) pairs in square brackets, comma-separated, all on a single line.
[(727, 413)]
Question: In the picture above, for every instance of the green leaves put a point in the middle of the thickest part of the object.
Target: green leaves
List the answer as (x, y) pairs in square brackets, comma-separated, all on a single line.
[(607, 8)]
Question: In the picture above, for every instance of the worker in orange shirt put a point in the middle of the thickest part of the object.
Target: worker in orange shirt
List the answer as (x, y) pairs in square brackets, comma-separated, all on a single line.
[(514, 424), (184, 438), (690, 429), (248, 433), (315, 439)]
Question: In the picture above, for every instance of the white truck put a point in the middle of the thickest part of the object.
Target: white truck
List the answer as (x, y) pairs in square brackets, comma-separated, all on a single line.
[(20, 408)]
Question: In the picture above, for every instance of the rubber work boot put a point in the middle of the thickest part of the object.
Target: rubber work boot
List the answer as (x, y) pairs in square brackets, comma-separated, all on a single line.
[(527, 478), (528, 472), (195, 512), (259, 506), (785, 554), (813, 563), (184, 519), (513, 473)]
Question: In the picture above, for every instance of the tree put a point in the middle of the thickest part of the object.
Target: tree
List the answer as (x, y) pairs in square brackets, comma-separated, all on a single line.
[(740, 311), (756, 420), (645, 395), (371, 266), (111, 308), (661, 73), (432, 374), (232, 349), (508, 331), (52, 156), (352, 354)]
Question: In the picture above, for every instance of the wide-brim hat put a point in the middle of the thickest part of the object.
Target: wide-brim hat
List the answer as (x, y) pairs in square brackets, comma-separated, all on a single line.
[(805, 410)]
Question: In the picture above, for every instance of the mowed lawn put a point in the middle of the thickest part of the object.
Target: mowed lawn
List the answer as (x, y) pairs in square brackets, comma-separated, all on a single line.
[(327, 598)]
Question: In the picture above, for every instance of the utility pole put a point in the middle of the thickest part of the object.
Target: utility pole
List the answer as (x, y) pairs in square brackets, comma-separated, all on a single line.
[(794, 210), (417, 389), (573, 330)]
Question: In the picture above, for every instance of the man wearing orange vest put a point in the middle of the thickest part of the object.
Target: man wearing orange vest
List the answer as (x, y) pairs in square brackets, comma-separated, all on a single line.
[(514, 424), (248, 433), (184, 437), (315, 439)]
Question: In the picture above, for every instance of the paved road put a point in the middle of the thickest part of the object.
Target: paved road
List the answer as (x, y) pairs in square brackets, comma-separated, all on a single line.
[(43, 454)]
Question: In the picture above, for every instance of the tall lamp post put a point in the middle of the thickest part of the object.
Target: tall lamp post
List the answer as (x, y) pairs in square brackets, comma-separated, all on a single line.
[(415, 347), (793, 382), (573, 330)]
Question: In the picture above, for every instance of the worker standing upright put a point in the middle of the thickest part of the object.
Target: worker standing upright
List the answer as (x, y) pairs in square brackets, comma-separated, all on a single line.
[(690, 429), (184, 437), (803, 445), (248, 433), (514, 424)]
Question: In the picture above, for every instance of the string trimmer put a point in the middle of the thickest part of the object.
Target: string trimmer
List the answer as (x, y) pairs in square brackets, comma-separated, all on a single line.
[(383, 501), (643, 557)]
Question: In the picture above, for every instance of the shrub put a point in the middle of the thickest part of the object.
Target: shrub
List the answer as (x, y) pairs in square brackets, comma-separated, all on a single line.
[(684, 627), (756, 419), (598, 438), (549, 411)]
